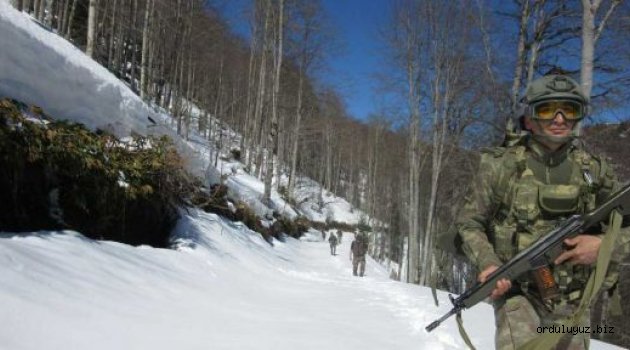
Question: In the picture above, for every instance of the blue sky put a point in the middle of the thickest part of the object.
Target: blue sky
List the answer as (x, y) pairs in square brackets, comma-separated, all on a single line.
[(352, 67)]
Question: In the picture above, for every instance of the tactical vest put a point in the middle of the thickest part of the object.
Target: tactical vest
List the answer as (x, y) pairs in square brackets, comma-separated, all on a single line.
[(532, 193)]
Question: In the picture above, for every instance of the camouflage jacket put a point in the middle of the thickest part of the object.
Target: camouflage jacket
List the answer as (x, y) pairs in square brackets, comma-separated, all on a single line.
[(520, 192), (359, 246)]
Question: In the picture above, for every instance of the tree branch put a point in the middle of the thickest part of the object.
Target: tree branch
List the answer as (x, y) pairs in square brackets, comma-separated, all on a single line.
[(600, 28)]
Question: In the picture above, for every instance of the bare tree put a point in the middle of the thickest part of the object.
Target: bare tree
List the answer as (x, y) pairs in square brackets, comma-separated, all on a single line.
[(450, 38), (308, 45), (406, 46), (591, 33), (262, 84), (272, 141)]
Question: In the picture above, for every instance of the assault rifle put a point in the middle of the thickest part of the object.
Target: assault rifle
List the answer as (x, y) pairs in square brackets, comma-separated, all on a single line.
[(540, 254)]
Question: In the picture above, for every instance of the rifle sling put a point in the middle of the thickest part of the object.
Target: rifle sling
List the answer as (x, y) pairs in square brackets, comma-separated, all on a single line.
[(462, 331)]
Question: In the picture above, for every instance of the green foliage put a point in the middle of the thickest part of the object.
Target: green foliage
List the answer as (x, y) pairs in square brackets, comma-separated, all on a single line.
[(363, 225), (106, 189), (335, 225), (320, 226), (215, 201), (283, 191), (63, 176), (294, 228), (246, 215), (303, 224), (236, 154)]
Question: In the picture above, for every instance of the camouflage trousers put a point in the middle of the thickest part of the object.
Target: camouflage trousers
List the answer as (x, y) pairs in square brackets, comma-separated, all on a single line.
[(358, 265), (333, 249), (519, 319)]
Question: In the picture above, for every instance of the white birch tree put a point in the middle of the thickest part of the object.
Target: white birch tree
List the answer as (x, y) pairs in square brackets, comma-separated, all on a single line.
[(272, 141), (92, 19), (591, 32)]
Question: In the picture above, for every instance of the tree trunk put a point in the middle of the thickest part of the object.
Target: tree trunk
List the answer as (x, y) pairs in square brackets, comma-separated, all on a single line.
[(520, 55), (296, 134), (36, 8), (64, 10), (439, 134), (272, 137), (89, 49), (539, 26), (148, 10), (588, 45), (71, 19), (217, 101), (112, 37), (47, 13), (414, 176), (134, 48), (248, 130), (41, 10), (262, 82)]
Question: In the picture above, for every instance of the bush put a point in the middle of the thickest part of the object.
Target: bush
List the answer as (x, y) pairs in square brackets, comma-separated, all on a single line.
[(251, 220), (340, 226), (294, 228), (214, 201), (236, 154), (63, 176), (303, 224), (363, 226), (321, 226)]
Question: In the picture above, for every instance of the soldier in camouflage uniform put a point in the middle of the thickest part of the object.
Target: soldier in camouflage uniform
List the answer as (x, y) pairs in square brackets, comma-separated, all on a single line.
[(358, 250), (519, 194), (332, 240)]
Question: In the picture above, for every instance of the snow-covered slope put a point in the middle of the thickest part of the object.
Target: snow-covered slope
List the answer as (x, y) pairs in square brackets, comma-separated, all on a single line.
[(38, 67)]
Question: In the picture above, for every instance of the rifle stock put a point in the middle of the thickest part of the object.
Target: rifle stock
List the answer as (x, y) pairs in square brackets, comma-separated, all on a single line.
[(542, 253)]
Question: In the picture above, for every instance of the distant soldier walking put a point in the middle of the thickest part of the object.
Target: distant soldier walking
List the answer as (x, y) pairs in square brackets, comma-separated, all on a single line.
[(333, 243), (339, 234), (358, 249)]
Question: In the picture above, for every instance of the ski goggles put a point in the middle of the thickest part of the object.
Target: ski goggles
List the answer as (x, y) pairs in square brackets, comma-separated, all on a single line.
[(547, 110)]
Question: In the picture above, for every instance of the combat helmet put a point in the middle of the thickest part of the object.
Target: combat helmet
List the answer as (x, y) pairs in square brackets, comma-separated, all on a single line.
[(554, 86), (546, 94)]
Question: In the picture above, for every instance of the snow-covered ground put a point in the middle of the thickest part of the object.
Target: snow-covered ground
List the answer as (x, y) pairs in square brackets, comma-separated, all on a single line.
[(223, 286)]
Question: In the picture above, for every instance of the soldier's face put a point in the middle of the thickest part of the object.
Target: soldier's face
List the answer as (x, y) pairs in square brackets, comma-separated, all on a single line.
[(558, 127)]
